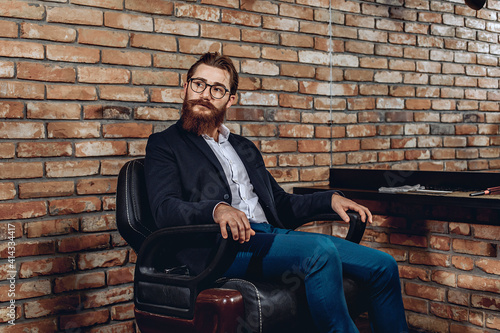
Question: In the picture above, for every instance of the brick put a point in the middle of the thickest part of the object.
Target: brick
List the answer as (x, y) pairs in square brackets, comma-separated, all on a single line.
[(408, 240), (103, 38), (30, 248), (128, 21), (7, 150), (18, 9), (21, 90), (306, 146), (102, 259), (41, 110), (296, 131), (127, 130), (279, 54), (110, 296), (153, 42), (72, 15), (81, 130), (27, 289), (176, 27), (259, 130), (107, 112), (63, 92), (71, 168), (83, 242), (7, 191), (41, 72), (74, 205), (51, 306), (425, 291), (47, 32), (128, 58), (69, 53), (122, 312), (293, 101), (431, 259), (220, 32), (98, 223), (150, 6), (6, 69), (84, 319), (485, 302), (260, 37), (11, 109), (474, 247), (203, 13), (156, 113), (21, 170), (20, 130), (275, 146), (140, 77), (346, 145), (45, 325), (100, 148), (444, 278), (353, 131), (121, 93), (409, 272), (96, 186), (46, 189), (44, 149), (49, 266), (111, 4), (241, 18), (478, 283), (8, 29), (51, 227), (486, 232), (449, 312)]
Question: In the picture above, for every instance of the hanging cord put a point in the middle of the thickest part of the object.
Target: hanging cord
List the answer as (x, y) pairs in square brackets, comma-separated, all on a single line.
[(330, 56)]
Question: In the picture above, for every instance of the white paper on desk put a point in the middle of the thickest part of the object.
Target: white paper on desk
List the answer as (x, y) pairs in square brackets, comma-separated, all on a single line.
[(401, 189)]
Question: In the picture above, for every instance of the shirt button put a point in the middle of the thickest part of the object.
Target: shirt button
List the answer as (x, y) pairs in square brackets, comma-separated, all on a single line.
[(226, 196)]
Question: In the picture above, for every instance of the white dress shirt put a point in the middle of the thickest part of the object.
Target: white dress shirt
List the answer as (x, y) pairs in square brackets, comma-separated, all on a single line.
[(243, 196)]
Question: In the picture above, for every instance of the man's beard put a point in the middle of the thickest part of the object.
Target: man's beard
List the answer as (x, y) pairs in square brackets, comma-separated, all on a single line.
[(201, 122)]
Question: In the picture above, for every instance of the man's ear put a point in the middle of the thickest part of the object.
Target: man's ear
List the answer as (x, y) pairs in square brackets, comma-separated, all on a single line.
[(232, 99)]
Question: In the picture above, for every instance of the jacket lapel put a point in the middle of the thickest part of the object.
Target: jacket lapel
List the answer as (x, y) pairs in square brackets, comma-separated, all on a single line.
[(200, 144)]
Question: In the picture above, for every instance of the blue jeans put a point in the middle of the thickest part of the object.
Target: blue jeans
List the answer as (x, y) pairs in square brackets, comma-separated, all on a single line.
[(279, 254)]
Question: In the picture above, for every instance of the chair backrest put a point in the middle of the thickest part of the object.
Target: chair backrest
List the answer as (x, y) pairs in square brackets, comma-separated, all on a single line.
[(133, 216)]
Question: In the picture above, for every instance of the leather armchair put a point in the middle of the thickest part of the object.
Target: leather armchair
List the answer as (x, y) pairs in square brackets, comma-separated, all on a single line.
[(171, 297)]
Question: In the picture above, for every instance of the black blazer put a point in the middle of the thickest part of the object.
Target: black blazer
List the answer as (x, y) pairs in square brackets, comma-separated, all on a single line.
[(185, 181)]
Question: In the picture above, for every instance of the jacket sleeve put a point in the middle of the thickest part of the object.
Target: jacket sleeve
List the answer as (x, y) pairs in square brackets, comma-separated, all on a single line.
[(169, 203)]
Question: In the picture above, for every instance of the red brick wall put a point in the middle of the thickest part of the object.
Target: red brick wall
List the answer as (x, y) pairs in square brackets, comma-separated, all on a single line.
[(83, 83)]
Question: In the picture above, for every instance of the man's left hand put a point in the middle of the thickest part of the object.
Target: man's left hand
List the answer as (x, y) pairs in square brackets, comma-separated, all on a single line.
[(341, 204)]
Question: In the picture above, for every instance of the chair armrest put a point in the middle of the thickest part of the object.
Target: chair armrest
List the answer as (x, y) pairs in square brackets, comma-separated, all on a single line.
[(356, 226), (163, 290)]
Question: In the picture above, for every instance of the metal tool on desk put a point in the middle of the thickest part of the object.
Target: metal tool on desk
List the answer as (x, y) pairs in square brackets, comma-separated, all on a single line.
[(489, 190)]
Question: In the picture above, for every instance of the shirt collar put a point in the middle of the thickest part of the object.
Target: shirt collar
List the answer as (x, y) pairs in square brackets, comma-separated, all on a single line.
[(223, 134)]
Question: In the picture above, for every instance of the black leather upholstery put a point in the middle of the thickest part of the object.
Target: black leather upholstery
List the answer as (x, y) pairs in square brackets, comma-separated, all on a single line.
[(165, 285)]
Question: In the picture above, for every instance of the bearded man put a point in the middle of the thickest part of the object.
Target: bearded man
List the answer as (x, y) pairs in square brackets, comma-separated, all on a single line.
[(197, 172)]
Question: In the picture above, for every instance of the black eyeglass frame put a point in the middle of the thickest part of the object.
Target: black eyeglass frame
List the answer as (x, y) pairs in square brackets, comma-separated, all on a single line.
[(190, 81)]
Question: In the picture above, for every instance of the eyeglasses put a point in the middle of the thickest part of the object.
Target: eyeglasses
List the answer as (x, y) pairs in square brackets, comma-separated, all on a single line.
[(217, 91)]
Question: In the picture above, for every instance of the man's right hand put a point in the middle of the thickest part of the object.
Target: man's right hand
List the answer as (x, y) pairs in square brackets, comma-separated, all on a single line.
[(237, 221)]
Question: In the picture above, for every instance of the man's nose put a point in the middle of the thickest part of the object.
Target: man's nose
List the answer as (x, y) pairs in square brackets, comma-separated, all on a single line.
[(205, 94)]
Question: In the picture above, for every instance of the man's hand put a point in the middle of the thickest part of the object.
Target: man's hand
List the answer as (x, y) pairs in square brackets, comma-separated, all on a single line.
[(341, 204), (237, 221)]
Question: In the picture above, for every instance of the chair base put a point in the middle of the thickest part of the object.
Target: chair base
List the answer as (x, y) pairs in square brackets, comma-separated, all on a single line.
[(215, 312)]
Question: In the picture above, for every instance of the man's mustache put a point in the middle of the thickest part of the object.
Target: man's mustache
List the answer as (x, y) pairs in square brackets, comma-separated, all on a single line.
[(201, 102)]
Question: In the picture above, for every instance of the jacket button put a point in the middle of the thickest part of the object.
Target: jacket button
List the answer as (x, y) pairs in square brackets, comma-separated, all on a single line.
[(226, 196)]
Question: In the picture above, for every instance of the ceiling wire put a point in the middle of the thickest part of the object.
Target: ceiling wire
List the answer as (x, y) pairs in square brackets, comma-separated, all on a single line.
[(330, 57)]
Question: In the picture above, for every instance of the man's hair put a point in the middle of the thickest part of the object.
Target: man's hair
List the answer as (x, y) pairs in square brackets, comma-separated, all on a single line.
[(219, 61)]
